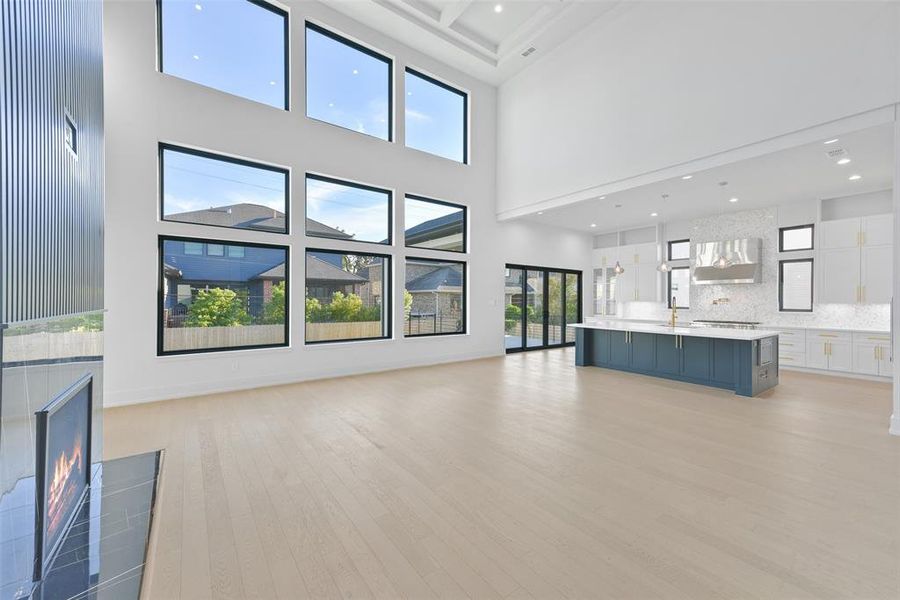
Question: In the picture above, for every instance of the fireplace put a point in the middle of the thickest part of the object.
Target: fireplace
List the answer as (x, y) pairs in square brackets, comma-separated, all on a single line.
[(63, 469)]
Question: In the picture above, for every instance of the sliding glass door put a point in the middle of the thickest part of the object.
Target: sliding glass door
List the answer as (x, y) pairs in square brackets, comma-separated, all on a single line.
[(541, 303)]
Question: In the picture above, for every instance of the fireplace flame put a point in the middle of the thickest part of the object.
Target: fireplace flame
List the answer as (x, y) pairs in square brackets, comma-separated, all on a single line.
[(61, 490)]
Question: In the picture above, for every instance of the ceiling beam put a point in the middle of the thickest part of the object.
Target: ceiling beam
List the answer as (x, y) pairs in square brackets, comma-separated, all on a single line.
[(454, 11)]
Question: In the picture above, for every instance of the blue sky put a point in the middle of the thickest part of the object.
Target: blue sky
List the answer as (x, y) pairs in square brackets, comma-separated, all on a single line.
[(197, 183)]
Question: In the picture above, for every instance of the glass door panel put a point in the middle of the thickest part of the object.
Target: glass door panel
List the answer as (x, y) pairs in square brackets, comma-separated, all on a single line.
[(555, 308), (573, 305), (514, 310), (534, 309)]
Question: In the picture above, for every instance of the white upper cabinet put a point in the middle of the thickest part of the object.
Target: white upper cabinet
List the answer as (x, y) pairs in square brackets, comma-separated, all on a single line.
[(878, 230), (855, 258), (647, 282), (839, 234), (839, 280), (876, 277)]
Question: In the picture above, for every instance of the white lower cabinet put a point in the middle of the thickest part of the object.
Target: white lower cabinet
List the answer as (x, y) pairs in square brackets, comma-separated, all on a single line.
[(829, 350), (872, 354)]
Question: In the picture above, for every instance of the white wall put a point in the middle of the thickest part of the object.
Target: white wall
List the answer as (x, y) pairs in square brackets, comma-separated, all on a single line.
[(144, 107), (652, 85), (895, 325)]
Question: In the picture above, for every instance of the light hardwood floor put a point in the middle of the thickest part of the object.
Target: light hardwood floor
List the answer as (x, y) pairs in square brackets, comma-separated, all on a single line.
[(523, 477)]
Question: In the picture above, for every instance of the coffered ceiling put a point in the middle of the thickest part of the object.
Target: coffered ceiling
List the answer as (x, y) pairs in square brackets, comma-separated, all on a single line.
[(473, 35)]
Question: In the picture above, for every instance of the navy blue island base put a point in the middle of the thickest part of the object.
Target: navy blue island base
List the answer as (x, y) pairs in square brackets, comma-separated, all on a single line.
[(747, 366)]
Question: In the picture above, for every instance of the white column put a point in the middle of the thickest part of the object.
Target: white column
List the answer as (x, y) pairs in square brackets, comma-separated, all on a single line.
[(895, 323)]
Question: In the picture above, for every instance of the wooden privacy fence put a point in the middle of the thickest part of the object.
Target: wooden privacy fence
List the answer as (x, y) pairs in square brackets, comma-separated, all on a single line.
[(318, 332), (192, 338), (432, 324), (536, 331)]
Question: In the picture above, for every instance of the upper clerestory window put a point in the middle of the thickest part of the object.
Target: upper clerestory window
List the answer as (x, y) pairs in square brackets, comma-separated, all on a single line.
[(348, 84), (236, 46), (436, 117)]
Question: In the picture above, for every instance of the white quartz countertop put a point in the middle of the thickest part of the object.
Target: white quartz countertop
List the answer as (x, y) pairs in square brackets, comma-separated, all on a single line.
[(706, 332), (768, 326)]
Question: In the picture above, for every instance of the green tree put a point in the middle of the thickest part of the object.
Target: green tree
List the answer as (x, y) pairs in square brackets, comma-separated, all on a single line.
[(315, 312), (345, 308), (217, 307), (407, 303), (273, 311)]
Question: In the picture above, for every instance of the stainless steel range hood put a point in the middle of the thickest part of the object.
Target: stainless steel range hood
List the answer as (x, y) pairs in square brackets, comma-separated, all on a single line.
[(729, 261)]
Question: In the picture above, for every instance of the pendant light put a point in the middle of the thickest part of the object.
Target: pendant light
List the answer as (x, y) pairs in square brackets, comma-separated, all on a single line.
[(618, 269), (663, 266)]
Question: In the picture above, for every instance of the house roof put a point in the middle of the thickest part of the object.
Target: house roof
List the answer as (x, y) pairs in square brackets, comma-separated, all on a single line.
[(434, 228), (224, 269), (246, 215), (320, 270), (433, 281), (276, 273)]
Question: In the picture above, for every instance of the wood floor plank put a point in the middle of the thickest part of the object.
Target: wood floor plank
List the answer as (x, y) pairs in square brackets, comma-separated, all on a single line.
[(522, 477)]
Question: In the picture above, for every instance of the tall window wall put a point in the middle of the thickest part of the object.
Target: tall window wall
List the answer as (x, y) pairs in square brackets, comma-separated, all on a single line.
[(234, 292)]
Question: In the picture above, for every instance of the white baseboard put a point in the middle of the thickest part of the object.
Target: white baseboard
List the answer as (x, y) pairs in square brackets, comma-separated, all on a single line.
[(848, 374), (114, 398)]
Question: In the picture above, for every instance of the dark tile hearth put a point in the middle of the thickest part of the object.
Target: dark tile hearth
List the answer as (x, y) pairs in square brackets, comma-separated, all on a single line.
[(104, 552)]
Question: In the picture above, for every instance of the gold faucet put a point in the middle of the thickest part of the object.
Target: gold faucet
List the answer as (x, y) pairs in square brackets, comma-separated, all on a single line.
[(674, 318)]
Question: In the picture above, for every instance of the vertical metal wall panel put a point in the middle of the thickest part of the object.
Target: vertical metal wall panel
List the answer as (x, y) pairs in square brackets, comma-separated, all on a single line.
[(51, 216)]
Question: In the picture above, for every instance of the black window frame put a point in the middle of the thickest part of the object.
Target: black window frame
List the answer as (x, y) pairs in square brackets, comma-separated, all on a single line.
[(671, 243), (160, 300), (464, 295), (449, 88), (669, 286), (244, 162), (353, 184), (356, 46), (465, 223), (389, 301), (812, 237), (285, 15), (812, 284), (545, 308)]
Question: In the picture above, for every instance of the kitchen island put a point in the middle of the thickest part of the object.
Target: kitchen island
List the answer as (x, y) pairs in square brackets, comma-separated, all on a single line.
[(743, 360)]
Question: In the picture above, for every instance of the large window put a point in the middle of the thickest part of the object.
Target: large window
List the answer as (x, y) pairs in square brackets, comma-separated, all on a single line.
[(347, 84), (434, 300), (436, 117), (212, 299), (791, 239), (679, 286), (237, 46), (540, 307), (341, 210), (434, 224), (795, 285), (208, 189), (347, 296)]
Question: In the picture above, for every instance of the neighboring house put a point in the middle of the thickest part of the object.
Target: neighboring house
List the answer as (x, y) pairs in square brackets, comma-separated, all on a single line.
[(435, 289), (442, 233), (324, 278), (189, 267), (253, 216)]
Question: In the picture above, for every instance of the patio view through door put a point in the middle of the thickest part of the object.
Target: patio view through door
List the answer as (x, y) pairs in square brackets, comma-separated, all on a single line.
[(540, 304)]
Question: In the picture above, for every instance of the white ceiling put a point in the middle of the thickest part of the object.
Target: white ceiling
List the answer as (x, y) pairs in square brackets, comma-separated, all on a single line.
[(802, 173), (470, 36)]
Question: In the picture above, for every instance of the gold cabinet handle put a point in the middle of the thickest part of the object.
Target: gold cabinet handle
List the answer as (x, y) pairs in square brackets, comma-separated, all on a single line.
[(828, 335), (786, 344), (875, 351), (862, 293)]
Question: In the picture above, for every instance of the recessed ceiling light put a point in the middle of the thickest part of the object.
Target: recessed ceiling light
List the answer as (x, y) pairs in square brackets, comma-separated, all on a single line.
[(854, 177), (654, 214), (593, 224), (540, 212), (831, 141), (602, 198), (844, 161), (498, 8), (733, 200), (687, 177)]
